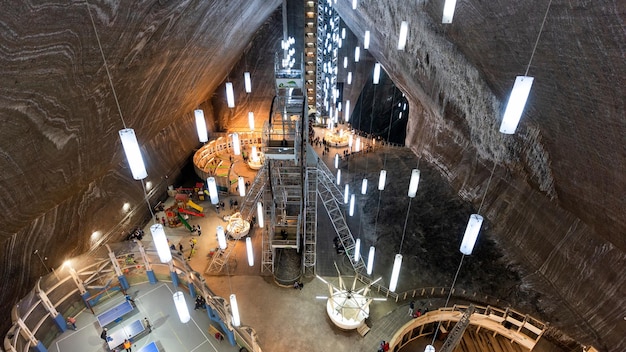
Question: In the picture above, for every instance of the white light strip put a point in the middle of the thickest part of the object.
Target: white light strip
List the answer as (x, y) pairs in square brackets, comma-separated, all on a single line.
[(251, 120), (221, 237), (357, 250), (471, 234), (336, 160), (370, 260), (516, 103), (366, 40), (357, 54), (345, 62), (259, 214), (349, 79), (212, 186), (364, 186), (247, 82), (236, 144), (404, 33), (346, 194), (241, 184), (133, 153), (338, 176), (352, 205), (201, 126), (160, 242), (395, 273), (181, 307), (346, 114), (376, 73), (249, 251), (382, 179), (415, 180), (448, 11), (235, 309), (230, 95), (354, 4)]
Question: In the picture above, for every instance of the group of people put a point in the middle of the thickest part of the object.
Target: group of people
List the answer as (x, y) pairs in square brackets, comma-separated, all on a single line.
[(200, 302), (416, 313), (338, 245), (195, 230), (126, 345)]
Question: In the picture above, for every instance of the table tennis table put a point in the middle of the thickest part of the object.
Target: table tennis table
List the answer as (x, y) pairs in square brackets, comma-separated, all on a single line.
[(129, 332), (151, 347), (114, 313)]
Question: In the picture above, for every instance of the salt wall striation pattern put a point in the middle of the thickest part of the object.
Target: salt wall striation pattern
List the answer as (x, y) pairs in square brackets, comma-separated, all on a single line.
[(556, 200), (63, 174)]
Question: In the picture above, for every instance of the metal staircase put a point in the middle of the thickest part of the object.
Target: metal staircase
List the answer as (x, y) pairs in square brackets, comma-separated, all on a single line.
[(267, 259), (220, 258), (457, 332), (248, 206), (310, 221), (326, 188)]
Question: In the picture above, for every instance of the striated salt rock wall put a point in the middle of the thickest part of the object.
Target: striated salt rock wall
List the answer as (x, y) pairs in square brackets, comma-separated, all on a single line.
[(555, 201), (63, 174)]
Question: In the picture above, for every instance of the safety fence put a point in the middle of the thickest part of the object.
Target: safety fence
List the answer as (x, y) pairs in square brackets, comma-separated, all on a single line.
[(84, 281)]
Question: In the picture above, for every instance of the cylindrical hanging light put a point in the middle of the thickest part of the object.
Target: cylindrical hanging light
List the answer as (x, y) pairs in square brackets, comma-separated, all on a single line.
[(376, 78), (448, 11), (516, 103), (415, 180), (181, 307), (354, 4), (429, 348), (357, 250), (346, 114), (382, 179), (235, 308), (343, 33), (230, 95), (395, 273), (247, 82), (366, 40), (201, 126), (251, 120), (133, 153), (338, 176), (346, 193), (350, 139), (404, 33), (471, 234), (259, 214), (212, 186), (160, 242), (370, 260), (357, 54), (336, 160), (349, 79), (236, 144), (352, 205), (358, 144), (345, 62), (241, 184), (249, 251), (253, 153), (221, 237), (364, 186)]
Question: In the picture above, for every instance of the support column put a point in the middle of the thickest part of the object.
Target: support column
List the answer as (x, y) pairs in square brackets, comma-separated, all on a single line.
[(146, 261), (56, 316), (118, 271), (216, 318), (27, 334), (173, 274), (81, 287)]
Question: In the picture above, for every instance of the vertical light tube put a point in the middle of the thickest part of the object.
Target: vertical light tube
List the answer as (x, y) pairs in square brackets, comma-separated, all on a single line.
[(230, 95), (345, 62), (133, 154), (259, 214), (241, 184), (382, 179), (336, 160), (249, 251), (364, 186), (221, 237), (349, 79), (415, 180), (404, 33), (376, 73), (366, 40), (253, 153), (212, 186), (350, 139), (357, 250), (235, 309), (354, 4), (352, 205), (201, 126), (448, 11), (343, 33), (429, 348), (251, 120), (346, 193), (370, 260), (357, 54), (358, 144), (516, 103), (236, 144), (346, 113), (181, 307), (160, 242), (338, 176), (395, 273), (247, 82), (471, 234)]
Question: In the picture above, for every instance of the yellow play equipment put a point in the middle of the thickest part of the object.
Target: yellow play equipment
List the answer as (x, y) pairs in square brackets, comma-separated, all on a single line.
[(194, 205)]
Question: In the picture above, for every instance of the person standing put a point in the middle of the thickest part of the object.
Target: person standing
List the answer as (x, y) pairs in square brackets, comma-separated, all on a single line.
[(128, 346), (146, 323), (103, 335), (71, 321), (411, 308)]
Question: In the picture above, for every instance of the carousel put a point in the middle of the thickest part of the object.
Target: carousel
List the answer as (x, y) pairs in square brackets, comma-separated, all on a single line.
[(256, 159), (338, 138), (237, 227)]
